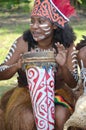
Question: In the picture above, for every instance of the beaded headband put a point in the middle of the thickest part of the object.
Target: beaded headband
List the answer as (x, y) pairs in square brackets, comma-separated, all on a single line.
[(57, 11)]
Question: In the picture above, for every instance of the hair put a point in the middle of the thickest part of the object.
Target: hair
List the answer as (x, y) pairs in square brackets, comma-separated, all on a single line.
[(82, 43), (64, 36)]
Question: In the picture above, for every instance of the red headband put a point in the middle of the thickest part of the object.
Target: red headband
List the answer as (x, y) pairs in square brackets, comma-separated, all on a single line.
[(57, 11)]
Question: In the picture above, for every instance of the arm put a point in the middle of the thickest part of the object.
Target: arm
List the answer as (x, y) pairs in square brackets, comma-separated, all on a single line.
[(13, 61), (67, 60), (82, 56)]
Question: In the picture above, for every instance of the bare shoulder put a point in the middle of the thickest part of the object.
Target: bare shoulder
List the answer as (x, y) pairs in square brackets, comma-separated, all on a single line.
[(82, 55), (82, 52), (21, 44), (81, 46)]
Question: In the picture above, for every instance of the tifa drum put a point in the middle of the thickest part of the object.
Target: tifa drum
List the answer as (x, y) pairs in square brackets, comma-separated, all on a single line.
[(40, 68)]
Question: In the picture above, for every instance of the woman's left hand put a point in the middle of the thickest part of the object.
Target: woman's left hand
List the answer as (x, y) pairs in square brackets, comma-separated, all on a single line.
[(61, 55)]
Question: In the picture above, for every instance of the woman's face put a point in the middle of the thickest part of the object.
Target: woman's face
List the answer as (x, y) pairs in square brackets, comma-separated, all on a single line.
[(41, 28)]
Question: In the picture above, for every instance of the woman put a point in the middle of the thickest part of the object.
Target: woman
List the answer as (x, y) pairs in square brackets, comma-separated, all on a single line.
[(82, 50), (48, 30), (81, 47), (77, 119), (82, 63)]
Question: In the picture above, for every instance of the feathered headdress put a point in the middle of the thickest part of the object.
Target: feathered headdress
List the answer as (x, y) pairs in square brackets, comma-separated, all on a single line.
[(57, 11)]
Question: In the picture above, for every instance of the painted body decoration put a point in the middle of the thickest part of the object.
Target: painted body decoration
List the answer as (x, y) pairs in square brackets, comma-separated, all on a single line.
[(45, 28), (12, 50), (3, 67), (8, 57), (75, 64)]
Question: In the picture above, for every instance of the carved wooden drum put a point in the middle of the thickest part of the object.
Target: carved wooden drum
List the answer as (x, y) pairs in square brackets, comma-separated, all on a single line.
[(40, 68)]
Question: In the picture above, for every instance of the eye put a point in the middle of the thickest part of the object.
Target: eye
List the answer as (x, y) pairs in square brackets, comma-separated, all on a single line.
[(32, 21), (41, 21)]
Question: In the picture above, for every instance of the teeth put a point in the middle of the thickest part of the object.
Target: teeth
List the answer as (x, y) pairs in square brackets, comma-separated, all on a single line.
[(46, 29), (43, 25)]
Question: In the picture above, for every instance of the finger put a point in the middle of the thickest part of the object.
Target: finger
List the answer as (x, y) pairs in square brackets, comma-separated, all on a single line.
[(59, 46), (54, 50)]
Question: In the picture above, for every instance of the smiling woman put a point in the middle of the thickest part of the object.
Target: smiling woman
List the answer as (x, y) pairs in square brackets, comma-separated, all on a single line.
[(49, 32), (41, 29)]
